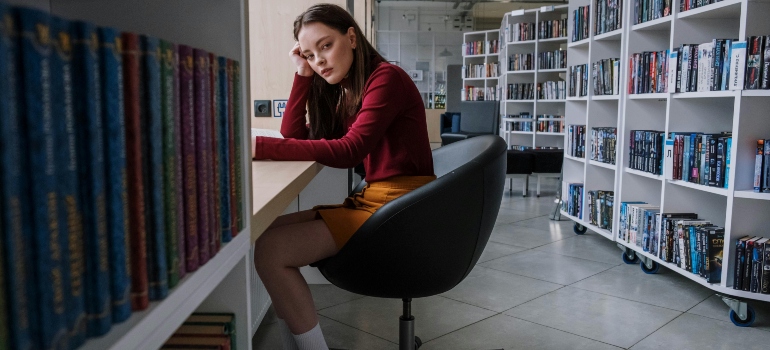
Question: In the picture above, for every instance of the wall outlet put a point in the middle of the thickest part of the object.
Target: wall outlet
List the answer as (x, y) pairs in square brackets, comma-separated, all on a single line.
[(262, 108)]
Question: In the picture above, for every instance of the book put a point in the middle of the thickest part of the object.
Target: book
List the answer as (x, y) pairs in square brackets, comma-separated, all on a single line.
[(91, 164), (189, 169), (216, 208), (737, 64), (136, 208), (152, 155), (754, 53), (766, 167), (5, 339), (232, 131), (765, 289), (115, 170), (201, 108), (239, 152), (169, 152), (221, 342), (70, 207), (178, 164), (756, 265), (740, 259), (765, 80), (669, 160), (747, 263), (224, 138)]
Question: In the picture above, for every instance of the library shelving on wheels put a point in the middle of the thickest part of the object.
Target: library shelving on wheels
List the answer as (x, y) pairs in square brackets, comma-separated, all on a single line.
[(661, 107)]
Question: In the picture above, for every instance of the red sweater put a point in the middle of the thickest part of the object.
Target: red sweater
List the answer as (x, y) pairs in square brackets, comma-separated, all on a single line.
[(389, 134)]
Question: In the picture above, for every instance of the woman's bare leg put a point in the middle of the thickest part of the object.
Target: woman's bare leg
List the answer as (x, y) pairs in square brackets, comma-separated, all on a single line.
[(278, 254), (293, 218)]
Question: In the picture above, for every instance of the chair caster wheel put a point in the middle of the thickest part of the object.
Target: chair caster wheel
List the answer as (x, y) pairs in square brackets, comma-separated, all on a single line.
[(417, 342), (629, 260), (579, 229), (750, 316), (651, 271)]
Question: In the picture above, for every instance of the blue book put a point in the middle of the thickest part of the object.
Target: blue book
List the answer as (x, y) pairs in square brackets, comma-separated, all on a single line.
[(116, 180), (90, 149), (37, 120), (694, 249), (729, 145), (15, 222), (223, 148), (70, 208), (152, 155)]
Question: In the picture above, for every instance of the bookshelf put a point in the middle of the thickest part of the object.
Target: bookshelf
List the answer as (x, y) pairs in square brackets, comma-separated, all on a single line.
[(736, 208), (480, 83), (512, 46)]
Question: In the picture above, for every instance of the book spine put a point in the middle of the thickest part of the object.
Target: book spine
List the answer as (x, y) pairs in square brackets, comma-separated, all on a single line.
[(728, 149), (201, 113), (152, 128), (758, 165), (15, 222), (756, 267), (115, 170), (765, 289), (746, 262), (766, 167), (136, 209), (738, 272), (91, 164), (189, 170), (169, 161), (5, 339), (239, 148), (224, 151), (215, 209), (231, 143), (737, 64), (765, 81), (70, 208), (178, 165)]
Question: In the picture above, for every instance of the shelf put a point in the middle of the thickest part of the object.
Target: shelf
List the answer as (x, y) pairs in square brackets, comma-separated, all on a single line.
[(520, 132), (520, 71), (644, 174), (476, 56), (752, 195), (553, 40), (519, 101), (724, 9), (148, 329), (506, 119), (581, 98), (656, 24), (602, 165), (521, 42), (605, 97), (653, 96), (547, 119), (552, 101), (611, 36), (556, 70), (715, 190), (752, 93), (705, 94), (576, 44), (551, 133), (606, 233), (582, 160), (483, 78)]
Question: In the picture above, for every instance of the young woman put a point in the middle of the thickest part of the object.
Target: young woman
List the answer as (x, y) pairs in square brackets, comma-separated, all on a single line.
[(361, 108)]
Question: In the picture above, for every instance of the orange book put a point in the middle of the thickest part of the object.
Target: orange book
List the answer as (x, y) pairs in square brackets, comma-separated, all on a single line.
[(219, 342)]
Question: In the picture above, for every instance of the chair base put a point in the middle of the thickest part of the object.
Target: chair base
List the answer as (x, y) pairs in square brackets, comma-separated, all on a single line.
[(406, 338)]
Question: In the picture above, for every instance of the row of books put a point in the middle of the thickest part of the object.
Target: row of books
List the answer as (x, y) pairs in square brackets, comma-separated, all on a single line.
[(648, 10), (606, 76), (552, 90), (521, 61), (484, 70), (524, 148), (556, 28), (573, 203), (609, 16), (555, 126), (599, 204), (549, 126), (580, 23), (576, 137), (208, 331), (648, 72), (520, 91), (119, 172), (686, 5), (603, 142), (762, 166), (519, 125), (481, 47), (645, 151), (698, 158), (556, 59), (515, 32), (752, 264), (578, 80), (477, 93)]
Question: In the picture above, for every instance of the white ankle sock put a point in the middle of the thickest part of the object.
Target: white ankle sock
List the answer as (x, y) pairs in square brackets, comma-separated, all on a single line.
[(311, 340), (287, 339)]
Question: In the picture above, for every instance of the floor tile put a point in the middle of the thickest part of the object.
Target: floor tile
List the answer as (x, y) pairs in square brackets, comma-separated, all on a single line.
[(268, 336), (498, 291), (342, 336), (495, 250), (435, 316), (510, 333), (521, 236), (507, 216), (715, 308), (545, 223), (665, 289), (590, 246), (596, 316), (326, 295), (695, 332), (548, 267)]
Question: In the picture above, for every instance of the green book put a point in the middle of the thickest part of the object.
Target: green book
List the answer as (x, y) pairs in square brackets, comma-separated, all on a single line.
[(238, 206), (170, 186)]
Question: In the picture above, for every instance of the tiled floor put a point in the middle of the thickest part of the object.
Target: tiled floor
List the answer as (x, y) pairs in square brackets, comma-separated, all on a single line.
[(540, 286)]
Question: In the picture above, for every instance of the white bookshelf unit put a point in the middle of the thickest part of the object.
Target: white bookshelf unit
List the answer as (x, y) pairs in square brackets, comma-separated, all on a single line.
[(535, 106), (485, 55), (736, 208)]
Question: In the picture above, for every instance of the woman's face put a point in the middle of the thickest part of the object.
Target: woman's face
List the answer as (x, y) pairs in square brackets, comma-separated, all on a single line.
[(328, 52)]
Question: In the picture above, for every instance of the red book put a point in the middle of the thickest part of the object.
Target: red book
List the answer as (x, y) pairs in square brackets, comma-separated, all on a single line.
[(180, 222), (216, 204), (137, 231), (202, 113), (189, 164), (231, 143)]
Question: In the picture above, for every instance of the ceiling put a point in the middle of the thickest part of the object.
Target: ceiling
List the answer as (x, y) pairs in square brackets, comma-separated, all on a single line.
[(468, 4)]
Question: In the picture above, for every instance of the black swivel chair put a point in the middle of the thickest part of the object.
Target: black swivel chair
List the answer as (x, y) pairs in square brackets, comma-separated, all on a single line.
[(476, 118), (427, 241)]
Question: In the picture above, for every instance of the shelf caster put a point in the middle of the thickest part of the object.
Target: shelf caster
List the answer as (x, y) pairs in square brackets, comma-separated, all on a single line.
[(741, 314), (579, 229), (649, 266), (629, 255), (417, 342)]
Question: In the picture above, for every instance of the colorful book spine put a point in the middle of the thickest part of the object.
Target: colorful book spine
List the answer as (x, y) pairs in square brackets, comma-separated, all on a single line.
[(203, 148), (88, 107), (169, 155), (70, 207), (216, 203), (231, 143), (115, 171), (189, 171), (238, 136), (37, 121), (152, 131), (5, 340), (180, 223), (15, 248), (137, 229), (224, 151)]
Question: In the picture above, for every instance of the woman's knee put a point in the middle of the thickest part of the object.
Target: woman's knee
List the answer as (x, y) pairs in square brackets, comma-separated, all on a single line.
[(263, 251)]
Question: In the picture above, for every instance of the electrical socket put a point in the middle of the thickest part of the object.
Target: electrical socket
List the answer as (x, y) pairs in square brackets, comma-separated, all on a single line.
[(262, 108)]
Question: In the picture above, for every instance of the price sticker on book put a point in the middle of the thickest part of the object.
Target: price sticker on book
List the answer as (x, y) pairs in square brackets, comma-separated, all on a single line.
[(279, 106)]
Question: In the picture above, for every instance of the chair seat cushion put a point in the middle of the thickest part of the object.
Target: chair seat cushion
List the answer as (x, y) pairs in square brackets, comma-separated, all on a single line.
[(519, 162)]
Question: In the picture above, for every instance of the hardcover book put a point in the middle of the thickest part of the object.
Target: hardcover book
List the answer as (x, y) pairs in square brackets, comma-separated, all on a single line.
[(215, 232), (239, 173), (201, 112), (179, 168), (231, 143), (189, 170), (169, 160), (224, 151)]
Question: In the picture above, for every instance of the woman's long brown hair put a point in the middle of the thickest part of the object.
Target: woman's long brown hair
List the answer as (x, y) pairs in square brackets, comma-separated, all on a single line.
[(328, 106)]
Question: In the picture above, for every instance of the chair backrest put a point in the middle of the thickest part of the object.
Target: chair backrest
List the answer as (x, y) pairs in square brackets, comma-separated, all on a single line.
[(426, 242), (482, 117)]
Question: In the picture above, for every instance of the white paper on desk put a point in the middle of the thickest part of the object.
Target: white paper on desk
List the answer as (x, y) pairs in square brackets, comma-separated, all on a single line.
[(262, 133)]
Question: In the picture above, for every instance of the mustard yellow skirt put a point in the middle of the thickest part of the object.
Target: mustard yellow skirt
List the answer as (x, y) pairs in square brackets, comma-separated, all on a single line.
[(343, 220)]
